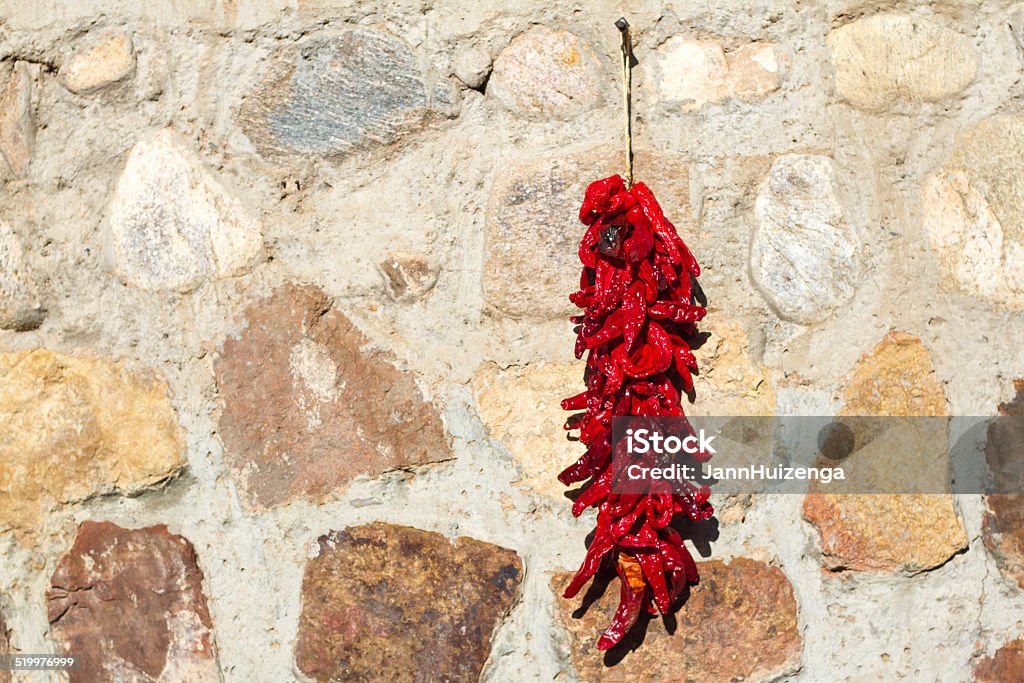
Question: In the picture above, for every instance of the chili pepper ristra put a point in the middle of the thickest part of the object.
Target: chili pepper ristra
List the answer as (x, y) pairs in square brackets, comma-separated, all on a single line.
[(639, 316)]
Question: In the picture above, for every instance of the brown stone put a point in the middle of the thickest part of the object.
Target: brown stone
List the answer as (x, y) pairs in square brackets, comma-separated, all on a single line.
[(75, 427), (391, 603), (17, 124), (1006, 665), (307, 407), (130, 604), (911, 532), (520, 408), (407, 276), (1003, 524), (533, 230), (739, 623)]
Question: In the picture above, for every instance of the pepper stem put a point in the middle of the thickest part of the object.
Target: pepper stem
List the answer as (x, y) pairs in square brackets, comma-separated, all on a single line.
[(627, 94)]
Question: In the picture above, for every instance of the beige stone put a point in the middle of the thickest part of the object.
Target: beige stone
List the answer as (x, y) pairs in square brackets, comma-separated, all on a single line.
[(730, 383), (973, 211), (520, 408), (693, 73), (884, 532), (546, 73), (888, 58), (94, 68), (172, 225), (75, 427)]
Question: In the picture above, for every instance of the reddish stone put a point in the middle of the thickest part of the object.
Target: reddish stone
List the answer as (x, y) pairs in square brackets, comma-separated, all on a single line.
[(739, 623), (1006, 665), (392, 603), (307, 407), (1003, 525), (130, 603)]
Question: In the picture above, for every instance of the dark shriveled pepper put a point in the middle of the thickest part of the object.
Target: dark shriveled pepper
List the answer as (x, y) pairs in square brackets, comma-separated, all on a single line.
[(638, 312)]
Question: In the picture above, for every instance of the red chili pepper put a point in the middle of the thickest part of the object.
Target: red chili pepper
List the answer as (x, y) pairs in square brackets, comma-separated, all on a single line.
[(638, 311)]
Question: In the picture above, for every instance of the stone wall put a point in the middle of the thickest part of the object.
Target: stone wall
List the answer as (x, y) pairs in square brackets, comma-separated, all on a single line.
[(283, 295)]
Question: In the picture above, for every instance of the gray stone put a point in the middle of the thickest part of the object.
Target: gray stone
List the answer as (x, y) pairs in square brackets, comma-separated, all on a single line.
[(172, 225), (17, 124), (804, 256), (19, 301), (331, 96), (545, 73), (472, 67)]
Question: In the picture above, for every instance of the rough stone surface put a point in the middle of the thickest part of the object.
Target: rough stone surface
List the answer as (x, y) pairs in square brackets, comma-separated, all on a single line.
[(384, 602), (888, 58), (1007, 664), (738, 624), (172, 225), (880, 532), (804, 255), (973, 211), (17, 122), (408, 276), (130, 603), (5, 646), (533, 231), (546, 73), (731, 382), (75, 427), (94, 68), (472, 67), (331, 96), (520, 408), (20, 307), (307, 407), (692, 73), (1003, 523)]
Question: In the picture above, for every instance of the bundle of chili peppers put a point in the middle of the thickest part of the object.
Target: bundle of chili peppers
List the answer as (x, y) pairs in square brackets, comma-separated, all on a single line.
[(637, 294)]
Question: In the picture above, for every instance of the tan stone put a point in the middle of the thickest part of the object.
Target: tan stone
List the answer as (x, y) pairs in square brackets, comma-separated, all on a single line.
[(520, 408), (533, 230), (17, 123), (730, 383), (973, 211), (408, 276), (94, 68), (887, 58), (738, 624), (693, 73), (75, 427), (910, 532), (546, 73)]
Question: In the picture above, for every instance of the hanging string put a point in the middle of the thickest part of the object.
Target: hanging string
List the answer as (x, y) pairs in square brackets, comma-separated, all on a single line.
[(627, 91)]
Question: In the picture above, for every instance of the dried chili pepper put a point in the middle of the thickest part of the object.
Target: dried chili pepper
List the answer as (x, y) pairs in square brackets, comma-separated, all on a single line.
[(638, 312)]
